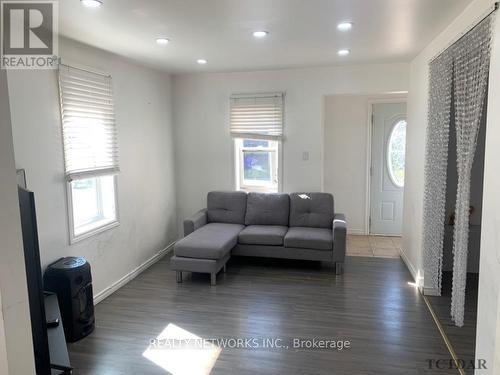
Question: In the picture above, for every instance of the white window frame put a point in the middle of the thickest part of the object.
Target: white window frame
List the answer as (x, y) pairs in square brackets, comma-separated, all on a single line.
[(74, 238), (238, 165)]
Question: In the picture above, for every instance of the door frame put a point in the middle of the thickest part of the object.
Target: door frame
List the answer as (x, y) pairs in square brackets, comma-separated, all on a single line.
[(382, 99)]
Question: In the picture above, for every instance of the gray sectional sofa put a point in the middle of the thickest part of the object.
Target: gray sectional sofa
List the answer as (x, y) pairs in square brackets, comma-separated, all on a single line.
[(293, 226)]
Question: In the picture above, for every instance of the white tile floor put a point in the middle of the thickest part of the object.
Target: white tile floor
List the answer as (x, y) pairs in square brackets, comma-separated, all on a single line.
[(373, 246)]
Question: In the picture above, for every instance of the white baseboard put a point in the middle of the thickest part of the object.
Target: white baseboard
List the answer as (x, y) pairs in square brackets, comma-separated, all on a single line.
[(356, 232), (431, 291), (131, 275), (409, 265)]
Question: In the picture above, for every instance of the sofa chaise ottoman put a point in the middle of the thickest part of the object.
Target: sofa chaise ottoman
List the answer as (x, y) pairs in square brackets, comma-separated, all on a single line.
[(293, 226)]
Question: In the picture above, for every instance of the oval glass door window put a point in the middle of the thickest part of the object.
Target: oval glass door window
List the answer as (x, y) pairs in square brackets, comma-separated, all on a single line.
[(396, 153)]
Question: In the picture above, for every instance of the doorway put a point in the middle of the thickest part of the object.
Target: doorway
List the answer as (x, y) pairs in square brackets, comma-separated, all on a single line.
[(387, 166), (462, 339)]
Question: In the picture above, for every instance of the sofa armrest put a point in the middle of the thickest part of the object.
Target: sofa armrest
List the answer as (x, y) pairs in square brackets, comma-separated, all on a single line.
[(339, 237), (195, 222)]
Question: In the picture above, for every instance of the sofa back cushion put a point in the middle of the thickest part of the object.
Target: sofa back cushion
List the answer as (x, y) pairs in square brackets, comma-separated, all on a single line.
[(267, 209), (226, 207), (311, 210)]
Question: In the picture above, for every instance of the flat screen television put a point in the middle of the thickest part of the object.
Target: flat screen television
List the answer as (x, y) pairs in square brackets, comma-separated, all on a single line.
[(34, 282)]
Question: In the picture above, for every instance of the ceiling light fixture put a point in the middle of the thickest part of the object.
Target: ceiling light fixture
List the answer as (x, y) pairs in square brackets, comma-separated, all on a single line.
[(92, 3), (201, 61), (260, 34), (162, 41), (344, 26), (343, 52)]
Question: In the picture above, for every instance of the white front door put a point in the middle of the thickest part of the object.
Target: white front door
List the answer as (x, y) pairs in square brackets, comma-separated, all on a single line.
[(387, 168)]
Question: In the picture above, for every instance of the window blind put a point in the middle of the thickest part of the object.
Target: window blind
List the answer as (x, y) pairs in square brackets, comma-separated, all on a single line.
[(88, 123), (257, 116)]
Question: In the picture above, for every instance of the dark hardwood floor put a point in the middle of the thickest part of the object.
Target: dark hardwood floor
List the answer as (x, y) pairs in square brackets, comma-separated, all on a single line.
[(386, 320), (463, 338)]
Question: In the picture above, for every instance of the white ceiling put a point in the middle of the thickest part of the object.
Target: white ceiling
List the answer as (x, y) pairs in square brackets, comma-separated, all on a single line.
[(302, 32)]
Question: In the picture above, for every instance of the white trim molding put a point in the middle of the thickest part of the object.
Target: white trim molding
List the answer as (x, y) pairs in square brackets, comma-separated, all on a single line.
[(409, 265), (431, 292), (356, 232), (103, 294)]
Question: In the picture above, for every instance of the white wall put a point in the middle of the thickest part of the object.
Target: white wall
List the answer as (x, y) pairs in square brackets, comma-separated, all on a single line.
[(489, 274), (16, 347), (146, 191), (345, 146), (487, 345), (4, 365), (204, 157), (345, 143)]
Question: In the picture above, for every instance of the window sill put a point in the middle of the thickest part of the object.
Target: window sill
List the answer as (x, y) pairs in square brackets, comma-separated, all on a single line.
[(74, 239), (259, 189)]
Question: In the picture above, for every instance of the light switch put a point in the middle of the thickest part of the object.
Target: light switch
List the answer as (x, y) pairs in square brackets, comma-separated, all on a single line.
[(305, 155)]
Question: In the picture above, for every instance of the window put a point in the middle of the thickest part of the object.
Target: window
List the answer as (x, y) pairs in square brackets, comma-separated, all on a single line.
[(90, 150), (257, 128), (396, 153), (257, 165), (93, 203)]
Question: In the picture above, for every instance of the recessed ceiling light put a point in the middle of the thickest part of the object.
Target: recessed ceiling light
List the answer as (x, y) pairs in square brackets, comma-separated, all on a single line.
[(343, 52), (92, 3), (201, 61), (162, 41), (260, 34), (344, 26)]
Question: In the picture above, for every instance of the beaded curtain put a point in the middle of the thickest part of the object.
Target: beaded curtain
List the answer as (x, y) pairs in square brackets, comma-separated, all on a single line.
[(441, 77), (459, 74), (472, 65)]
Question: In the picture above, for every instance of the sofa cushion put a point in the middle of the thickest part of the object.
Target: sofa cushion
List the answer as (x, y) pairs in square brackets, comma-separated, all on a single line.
[(267, 209), (311, 210), (262, 235), (211, 241), (309, 238), (226, 207)]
